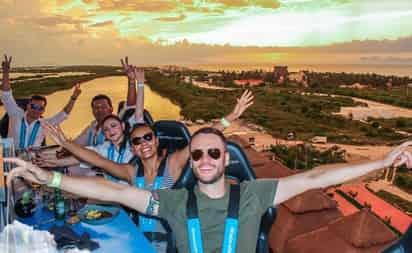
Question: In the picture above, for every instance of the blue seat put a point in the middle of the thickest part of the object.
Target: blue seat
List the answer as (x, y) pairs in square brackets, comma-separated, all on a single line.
[(239, 169), (403, 245)]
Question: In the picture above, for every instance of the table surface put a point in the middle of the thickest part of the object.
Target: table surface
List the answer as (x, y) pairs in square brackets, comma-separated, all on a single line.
[(118, 235)]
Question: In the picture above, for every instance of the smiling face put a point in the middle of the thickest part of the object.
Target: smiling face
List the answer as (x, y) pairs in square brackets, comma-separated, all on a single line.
[(113, 130), (101, 109), (144, 143), (208, 158), (35, 108)]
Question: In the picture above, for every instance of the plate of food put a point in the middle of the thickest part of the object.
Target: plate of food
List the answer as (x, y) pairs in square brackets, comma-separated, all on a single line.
[(98, 214)]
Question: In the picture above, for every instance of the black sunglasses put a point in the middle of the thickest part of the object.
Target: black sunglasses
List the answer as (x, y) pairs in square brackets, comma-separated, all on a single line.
[(35, 107), (140, 139), (214, 153)]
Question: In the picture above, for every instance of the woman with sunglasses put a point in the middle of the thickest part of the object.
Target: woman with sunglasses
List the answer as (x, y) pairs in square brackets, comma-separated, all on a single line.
[(154, 170)]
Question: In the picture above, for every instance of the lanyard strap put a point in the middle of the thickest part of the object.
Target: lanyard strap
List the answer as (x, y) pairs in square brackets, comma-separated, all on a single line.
[(149, 224), (92, 140), (23, 130), (110, 153), (231, 223)]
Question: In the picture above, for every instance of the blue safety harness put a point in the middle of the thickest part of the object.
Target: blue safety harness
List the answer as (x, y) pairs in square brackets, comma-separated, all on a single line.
[(32, 138), (110, 156), (231, 223), (149, 224)]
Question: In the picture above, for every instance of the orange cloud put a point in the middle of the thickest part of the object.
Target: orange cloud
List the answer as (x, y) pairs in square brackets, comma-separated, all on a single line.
[(137, 5), (101, 24), (171, 19)]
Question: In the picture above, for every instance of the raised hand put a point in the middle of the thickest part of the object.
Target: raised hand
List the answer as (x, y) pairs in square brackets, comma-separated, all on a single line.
[(28, 171), (6, 64), (45, 160), (54, 132), (397, 155), (242, 104), (139, 75), (77, 91), (128, 69)]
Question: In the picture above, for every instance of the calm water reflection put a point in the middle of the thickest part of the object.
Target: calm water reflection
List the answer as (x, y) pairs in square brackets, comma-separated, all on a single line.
[(116, 88)]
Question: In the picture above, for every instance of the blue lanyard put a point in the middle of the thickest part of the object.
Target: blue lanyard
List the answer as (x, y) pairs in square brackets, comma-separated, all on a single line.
[(110, 153), (231, 223), (148, 224), (92, 141), (32, 138)]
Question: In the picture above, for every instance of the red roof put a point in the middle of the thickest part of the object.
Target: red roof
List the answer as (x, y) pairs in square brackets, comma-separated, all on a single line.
[(251, 82)]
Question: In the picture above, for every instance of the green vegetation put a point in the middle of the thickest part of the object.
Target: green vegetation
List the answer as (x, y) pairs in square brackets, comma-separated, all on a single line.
[(279, 110), (404, 179), (307, 157), (47, 85), (396, 201)]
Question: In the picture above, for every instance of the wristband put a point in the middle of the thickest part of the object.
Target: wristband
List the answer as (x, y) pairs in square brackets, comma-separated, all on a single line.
[(140, 85), (73, 98), (56, 180), (225, 122)]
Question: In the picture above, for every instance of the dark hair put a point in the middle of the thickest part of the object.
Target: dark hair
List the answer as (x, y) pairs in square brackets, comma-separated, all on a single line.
[(101, 96), (38, 97), (143, 124), (210, 130)]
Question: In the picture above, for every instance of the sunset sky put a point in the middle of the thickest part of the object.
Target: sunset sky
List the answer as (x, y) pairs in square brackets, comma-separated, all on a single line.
[(39, 32)]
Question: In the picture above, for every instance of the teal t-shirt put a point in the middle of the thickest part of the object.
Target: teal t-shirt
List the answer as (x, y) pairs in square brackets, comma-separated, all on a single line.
[(255, 198)]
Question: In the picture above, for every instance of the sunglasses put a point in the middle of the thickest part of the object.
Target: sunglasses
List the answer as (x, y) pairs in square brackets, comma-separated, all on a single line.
[(214, 153), (35, 107), (140, 139)]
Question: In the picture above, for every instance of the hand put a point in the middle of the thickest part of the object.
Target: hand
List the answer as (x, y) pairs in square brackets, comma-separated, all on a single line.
[(54, 132), (398, 156), (139, 74), (129, 70), (28, 171), (404, 158), (6, 64), (45, 160), (77, 91), (243, 103)]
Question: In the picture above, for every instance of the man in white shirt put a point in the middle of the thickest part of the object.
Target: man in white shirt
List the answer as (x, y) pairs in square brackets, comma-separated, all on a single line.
[(102, 106), (24, 126)]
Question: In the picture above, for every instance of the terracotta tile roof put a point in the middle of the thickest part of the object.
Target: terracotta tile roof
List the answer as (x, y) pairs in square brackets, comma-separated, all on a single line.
[(366, 229), (314, 200)]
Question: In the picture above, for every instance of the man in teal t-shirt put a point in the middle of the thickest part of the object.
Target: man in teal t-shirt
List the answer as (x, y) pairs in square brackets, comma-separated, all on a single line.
[(209, 158)]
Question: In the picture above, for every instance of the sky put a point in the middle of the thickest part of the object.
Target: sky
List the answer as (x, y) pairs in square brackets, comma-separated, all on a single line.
[(62, 32)]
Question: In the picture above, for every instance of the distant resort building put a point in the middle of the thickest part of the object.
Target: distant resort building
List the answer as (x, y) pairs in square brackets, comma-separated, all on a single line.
[(280, 74), (250, 82), (355, 86), (299, 78)]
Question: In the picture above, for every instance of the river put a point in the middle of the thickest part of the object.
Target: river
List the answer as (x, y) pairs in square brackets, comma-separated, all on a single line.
[(116, 88)]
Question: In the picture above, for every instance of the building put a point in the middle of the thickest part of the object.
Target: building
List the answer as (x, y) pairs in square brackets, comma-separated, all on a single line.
[(280, 74), (250, 82)]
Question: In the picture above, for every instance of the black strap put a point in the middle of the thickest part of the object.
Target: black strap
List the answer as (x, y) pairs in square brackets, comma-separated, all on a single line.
[(156, 236), (191, 204), (234, 197), (160, 169)]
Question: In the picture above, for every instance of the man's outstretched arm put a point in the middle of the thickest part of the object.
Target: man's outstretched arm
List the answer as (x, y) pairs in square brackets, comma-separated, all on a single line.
[(90, 187), (291, 186)]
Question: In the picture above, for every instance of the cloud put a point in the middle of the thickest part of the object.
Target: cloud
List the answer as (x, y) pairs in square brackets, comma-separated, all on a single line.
[(102, 24), (171, 19), (137, 5), (273, 4)]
